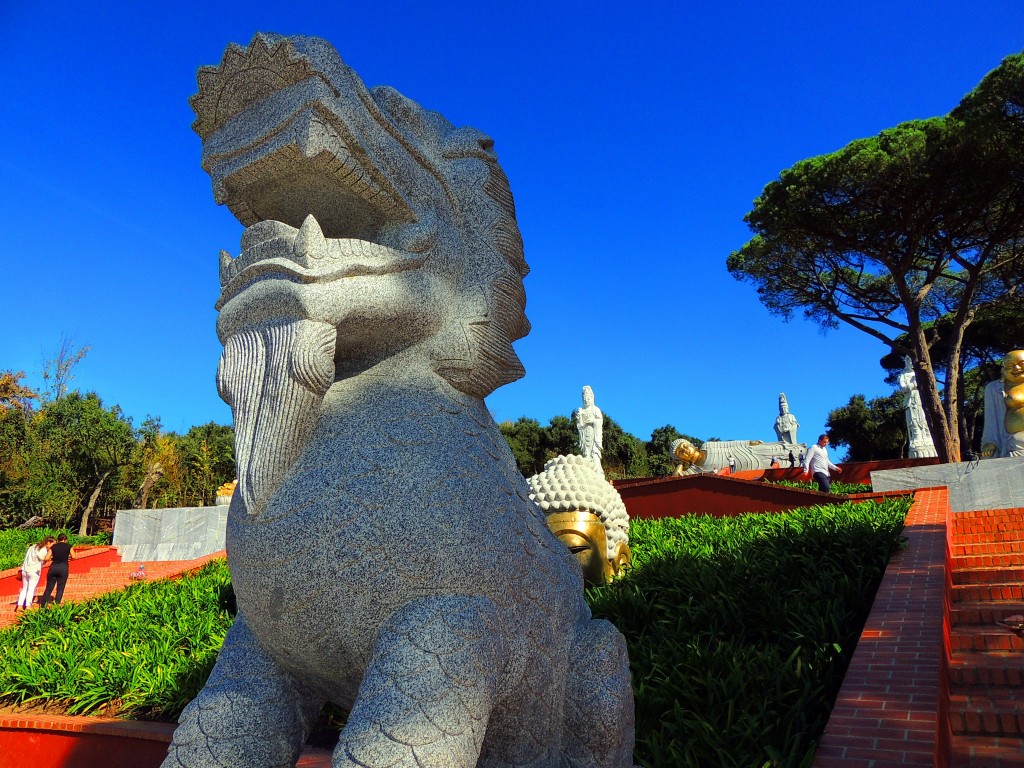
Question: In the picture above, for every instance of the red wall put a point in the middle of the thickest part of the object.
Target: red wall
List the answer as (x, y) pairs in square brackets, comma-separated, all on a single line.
[(46, 749)]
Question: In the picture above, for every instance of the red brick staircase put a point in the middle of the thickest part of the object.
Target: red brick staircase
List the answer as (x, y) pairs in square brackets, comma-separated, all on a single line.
[(982, 713), (100, 570)]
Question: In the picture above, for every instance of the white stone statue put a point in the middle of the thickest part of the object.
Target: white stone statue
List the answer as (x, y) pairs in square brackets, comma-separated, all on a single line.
[(590, 425), (786, 424), (738, 455), (383, 547), (918, 435)]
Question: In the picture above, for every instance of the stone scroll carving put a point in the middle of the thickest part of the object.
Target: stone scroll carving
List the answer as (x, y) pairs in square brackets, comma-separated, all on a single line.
[(384, 550)]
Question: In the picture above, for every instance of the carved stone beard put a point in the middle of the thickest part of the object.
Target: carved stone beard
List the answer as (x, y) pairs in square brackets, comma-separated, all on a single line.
[(274, 378)]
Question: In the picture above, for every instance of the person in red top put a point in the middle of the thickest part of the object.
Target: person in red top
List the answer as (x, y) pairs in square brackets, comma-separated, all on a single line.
[(60, 554)]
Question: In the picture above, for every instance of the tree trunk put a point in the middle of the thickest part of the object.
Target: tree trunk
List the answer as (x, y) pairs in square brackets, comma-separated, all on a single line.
[(83, 528), (152, 475)]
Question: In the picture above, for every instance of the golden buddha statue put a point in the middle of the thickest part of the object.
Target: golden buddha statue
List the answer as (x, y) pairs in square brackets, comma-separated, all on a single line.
[(1013, 396), (1003, 434), (585, 513), (585, 536)]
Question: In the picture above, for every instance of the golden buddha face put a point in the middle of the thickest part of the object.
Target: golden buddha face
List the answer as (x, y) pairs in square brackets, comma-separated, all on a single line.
[(1013, 368), (687, 454), (583, 533)]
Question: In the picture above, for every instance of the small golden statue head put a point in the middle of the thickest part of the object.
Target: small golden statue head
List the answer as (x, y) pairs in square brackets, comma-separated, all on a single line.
[(1013, 368), (685, 454), (584, 534)]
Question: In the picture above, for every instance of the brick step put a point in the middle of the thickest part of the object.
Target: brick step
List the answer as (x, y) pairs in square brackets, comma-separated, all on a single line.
[(991, 711), (984, 638), (986, 526), (991, 515), (1014, 528), (989, 576), (987, 536), (986, 752), (988, 560), (986, 668), (959, 549), (984, 611), (987, 592)]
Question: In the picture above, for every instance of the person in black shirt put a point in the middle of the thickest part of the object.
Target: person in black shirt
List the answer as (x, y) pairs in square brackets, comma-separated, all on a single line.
[(60, 554)]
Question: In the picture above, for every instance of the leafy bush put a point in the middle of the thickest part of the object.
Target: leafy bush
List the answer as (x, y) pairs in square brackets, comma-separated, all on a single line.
[(142, 652), (740, 629), (13, 543)]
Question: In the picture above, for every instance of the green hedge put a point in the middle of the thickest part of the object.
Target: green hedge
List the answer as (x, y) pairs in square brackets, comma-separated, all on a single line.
[(740, 629), (13, 543)]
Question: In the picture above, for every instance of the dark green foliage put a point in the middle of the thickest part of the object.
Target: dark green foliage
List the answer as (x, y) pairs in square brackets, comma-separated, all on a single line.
[(740, 629), (143, 652), (625, 455), (997, 328), (526, 439), (75, 456), (207, 454), (870, 430)]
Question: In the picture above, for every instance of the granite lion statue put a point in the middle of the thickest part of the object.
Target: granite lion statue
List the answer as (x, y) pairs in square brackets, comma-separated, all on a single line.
[(383, 548)]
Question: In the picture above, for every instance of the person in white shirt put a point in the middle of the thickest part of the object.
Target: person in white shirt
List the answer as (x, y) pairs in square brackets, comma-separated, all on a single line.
[(816, 463)]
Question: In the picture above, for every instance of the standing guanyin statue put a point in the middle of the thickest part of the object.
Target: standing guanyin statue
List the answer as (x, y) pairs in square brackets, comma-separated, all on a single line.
[(786, 424), (590, 425)]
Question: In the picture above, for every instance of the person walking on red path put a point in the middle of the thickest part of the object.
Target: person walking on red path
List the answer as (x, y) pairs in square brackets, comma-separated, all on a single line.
[(816, 463), (60, 554), (31, 567)]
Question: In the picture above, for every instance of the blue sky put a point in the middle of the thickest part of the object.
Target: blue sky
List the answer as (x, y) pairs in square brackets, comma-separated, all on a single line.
[(636, 137)]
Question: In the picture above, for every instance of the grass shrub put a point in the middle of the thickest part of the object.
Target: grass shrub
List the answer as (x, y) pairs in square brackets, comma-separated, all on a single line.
[(740, 629), (142, 652), (13, 543)]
